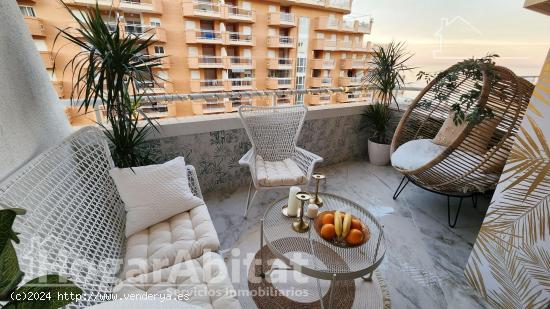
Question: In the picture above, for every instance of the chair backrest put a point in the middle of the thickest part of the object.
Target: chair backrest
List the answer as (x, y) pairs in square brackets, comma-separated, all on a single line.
[(75, 220), (273, 131)]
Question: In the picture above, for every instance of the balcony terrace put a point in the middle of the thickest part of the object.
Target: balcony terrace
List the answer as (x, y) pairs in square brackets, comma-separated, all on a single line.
[(144, 32), (317, 82), (281, 42), (322, 64), (141, 6), (319, 99), (209, 85), (207, 62), (349, 81), (239, 14), (35, 26), (240, 39), (193, 36), (275, 83), (325, 44), (238, 84), (280, 63), (47, 59), (241, 62), (345, 45), (205, 10), (281, 19), (350, 64), (325, 23)]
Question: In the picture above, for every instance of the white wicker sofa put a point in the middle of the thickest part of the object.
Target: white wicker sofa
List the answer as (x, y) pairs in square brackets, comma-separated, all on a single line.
[(75, 223)]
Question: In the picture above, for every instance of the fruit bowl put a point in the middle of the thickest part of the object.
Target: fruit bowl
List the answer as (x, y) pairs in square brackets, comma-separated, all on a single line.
[(340, 241)]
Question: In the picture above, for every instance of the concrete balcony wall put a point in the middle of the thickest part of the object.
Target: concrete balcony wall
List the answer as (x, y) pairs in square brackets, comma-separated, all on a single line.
[(322, 64), (238, 14), (193, 36), (280, 63), (208, 10), (219, 141), (281, 42), (143, 6), (281, 19), (47, 59), (35, 25), (324, 44)]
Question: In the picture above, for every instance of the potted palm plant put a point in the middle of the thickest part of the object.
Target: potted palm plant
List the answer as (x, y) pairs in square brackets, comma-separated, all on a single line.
[(385, 77), (111, 70)]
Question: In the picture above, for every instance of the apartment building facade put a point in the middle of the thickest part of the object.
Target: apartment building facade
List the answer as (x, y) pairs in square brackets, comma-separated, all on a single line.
[(231, 45)]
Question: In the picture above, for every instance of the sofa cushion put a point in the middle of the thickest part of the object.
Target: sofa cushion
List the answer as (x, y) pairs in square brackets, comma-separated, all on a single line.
[(278, 173), (182, 237), (153, 193), (203, 281), (415, 154)]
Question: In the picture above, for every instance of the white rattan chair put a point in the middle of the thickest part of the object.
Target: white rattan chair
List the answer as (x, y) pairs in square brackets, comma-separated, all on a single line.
[(274, 132)]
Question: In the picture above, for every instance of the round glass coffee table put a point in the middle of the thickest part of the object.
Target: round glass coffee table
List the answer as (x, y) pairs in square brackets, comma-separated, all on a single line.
[(329, 262)]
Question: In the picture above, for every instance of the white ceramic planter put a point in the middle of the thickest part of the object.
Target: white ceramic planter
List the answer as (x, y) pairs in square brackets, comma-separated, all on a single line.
[(379, 154)]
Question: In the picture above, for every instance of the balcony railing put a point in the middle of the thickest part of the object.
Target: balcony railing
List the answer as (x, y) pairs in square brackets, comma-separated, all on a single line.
[(141, 6), (241, 83), (241, 61), (211, 83), (163, 62), (279, 82), (210, 60), (281, 19), (35, 26), (280, 42), (203, 9), (240, 38), (320, 64), (345, 45), (339, 4), (280, 63), (204, 36), (324, 44), (239, 13), (141, 31)]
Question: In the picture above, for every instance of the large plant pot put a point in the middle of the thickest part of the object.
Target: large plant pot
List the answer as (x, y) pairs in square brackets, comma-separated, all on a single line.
[(379, 154)]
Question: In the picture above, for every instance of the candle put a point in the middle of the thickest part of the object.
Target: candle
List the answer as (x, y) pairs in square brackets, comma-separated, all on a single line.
[(293, 202), (312, 210)]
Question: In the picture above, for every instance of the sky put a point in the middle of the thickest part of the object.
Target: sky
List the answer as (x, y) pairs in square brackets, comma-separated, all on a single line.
[(442, 32)]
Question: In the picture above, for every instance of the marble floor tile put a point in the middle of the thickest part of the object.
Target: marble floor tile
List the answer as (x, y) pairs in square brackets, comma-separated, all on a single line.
[(424, 263)]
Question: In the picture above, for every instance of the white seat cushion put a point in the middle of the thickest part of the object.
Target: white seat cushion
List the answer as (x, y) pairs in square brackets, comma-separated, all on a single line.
[(203, 282), (278, 173), (415, 154), (182, 237)]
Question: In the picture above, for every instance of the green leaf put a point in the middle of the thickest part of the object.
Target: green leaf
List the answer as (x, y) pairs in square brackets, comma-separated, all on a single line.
[(10, 274), (53, 291)]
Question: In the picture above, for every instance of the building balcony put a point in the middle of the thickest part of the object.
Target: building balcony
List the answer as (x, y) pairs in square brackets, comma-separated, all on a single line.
[(348, 26), (47, 59), (349, 81), (204, 37), (242, 83), (280, 63), (364, 27), (281, 42), (312, 3), (274, 83), (209, 85), (345, 45), (239, 14), (318, 99), (162, 63), (356, 96), (322, 64), (145, 32), (158, 87), (325, 23), (281, 19), (205, 10), (362, 47), (241, 62), (237, 38), (354, 64), (324, 44), (207, 62), (340, 5), (35, 25), (141, 6), (58, 86), (103, 4), (318, 82)]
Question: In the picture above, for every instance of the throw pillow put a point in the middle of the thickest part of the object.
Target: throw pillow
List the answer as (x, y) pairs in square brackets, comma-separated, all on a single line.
[(154, 193)]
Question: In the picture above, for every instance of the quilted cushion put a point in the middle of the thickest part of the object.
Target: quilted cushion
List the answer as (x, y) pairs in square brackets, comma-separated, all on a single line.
[(278, 173), (203, 282), (415, 154), (182, 237)]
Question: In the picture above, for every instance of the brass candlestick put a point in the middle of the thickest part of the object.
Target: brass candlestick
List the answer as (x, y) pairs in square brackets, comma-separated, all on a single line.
[(300, 225), (317, 200)]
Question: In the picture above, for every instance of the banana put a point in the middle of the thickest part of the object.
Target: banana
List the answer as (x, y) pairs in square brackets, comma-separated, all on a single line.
[(346, 225), (338, 223)]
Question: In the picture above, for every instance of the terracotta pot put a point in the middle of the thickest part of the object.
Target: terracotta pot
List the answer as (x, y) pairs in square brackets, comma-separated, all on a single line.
[(379, 154)]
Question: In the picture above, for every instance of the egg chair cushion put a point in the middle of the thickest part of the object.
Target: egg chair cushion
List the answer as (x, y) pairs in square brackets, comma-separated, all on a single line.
[(416, 154)]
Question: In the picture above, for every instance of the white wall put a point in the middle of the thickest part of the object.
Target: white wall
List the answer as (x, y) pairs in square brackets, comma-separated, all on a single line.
[(31, 117)]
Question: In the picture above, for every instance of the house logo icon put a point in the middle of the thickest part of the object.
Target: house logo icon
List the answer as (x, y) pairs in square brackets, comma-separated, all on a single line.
[(452, 32)]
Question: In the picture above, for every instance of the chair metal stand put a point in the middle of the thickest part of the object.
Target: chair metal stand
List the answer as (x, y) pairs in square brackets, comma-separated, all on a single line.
[(452, 223), (248, 199)]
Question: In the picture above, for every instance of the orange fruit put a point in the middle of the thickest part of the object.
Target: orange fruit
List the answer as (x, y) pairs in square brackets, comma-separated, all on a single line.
[(356, 224), (328, 219), (328, 231), (354, 237)]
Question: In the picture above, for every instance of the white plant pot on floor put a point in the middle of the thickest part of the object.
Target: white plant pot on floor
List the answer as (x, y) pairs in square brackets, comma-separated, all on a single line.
[(379, 154)]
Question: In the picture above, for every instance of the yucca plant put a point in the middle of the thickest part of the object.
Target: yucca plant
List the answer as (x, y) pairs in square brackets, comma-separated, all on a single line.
[(376, 120), (108, 71), (386, 71)]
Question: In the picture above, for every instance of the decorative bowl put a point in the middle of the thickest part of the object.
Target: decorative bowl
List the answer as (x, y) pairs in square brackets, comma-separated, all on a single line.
[(318, 224)]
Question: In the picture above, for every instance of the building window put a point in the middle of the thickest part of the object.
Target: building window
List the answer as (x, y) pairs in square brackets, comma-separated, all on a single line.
[(155, 22), (159, 49), (27, 10)]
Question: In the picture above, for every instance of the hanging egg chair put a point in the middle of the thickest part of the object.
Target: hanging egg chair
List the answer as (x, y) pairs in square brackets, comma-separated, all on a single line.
[(434, 151)]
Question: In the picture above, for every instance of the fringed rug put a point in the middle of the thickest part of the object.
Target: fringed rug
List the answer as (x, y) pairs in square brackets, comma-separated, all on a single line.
[(291, 289)]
